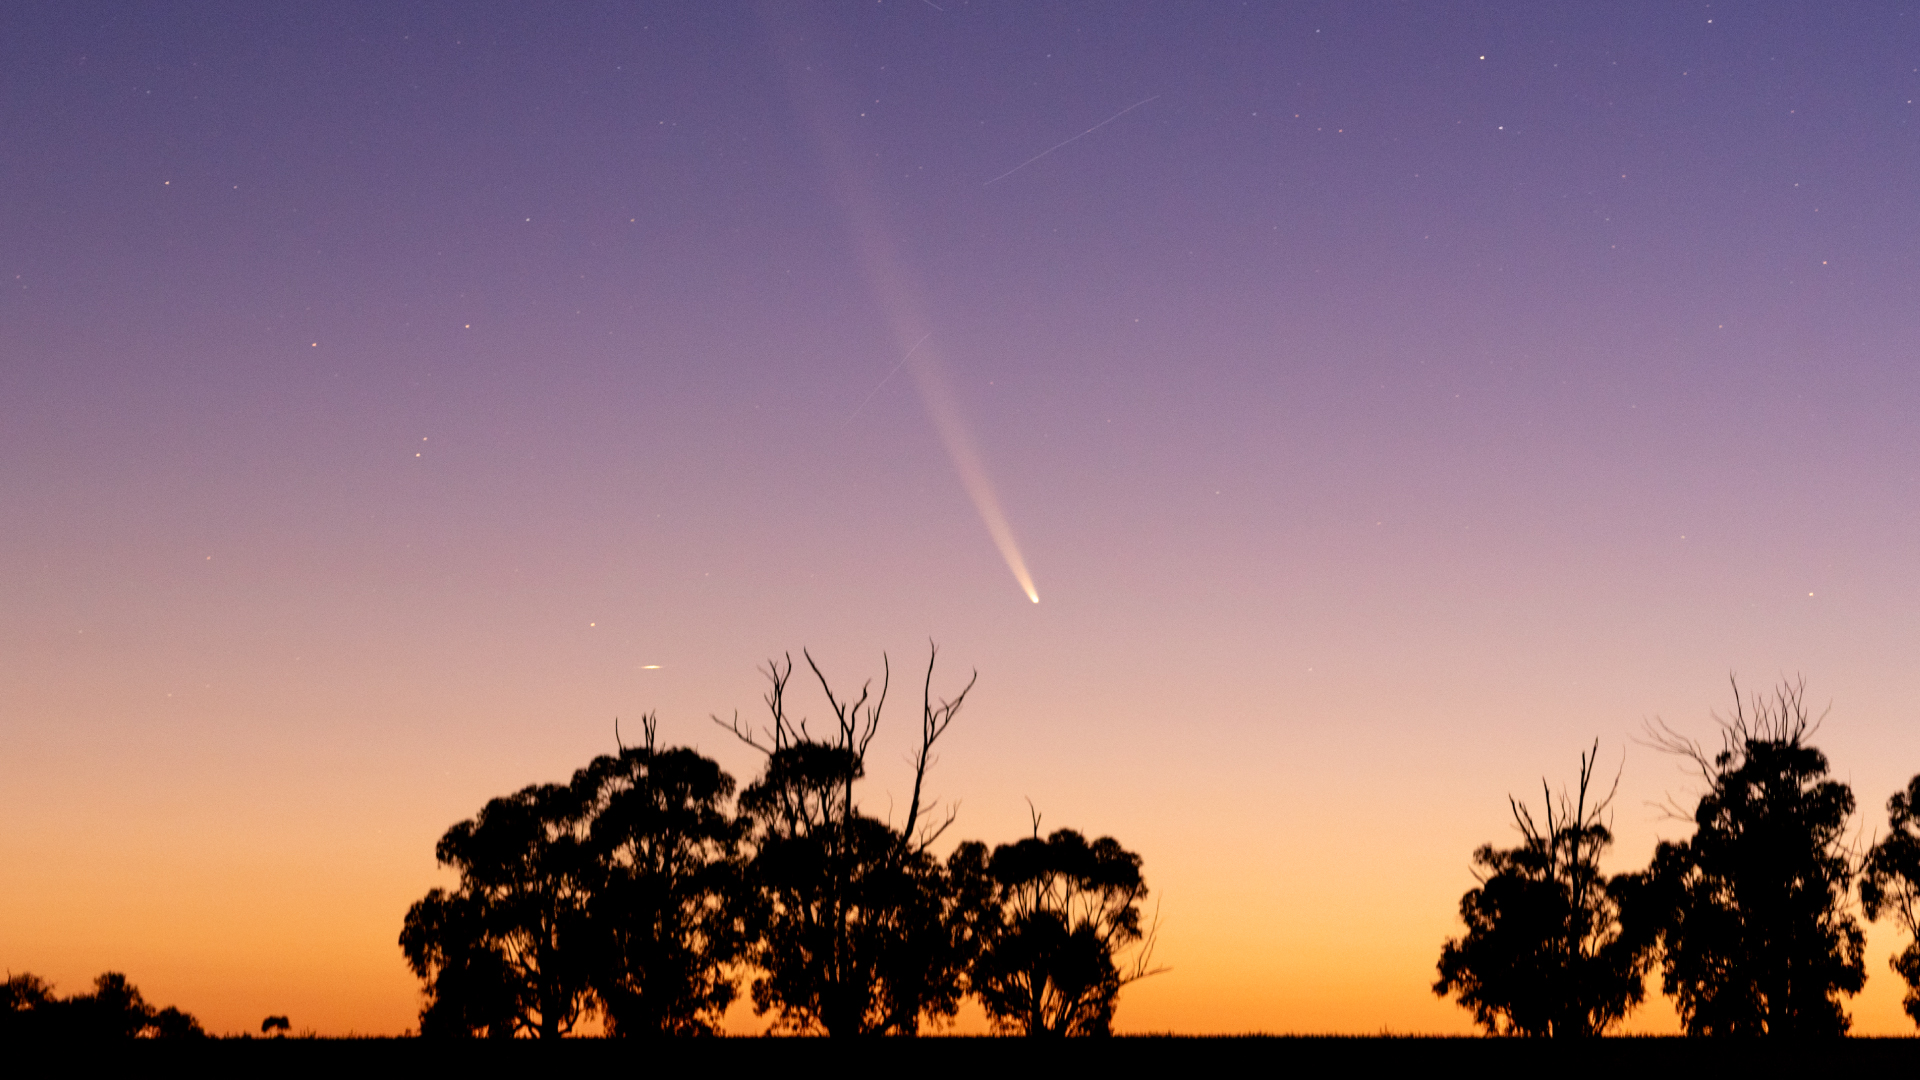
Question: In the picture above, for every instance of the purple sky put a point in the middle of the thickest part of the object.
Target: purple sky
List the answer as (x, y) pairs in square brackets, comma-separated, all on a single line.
[(1400, 398)]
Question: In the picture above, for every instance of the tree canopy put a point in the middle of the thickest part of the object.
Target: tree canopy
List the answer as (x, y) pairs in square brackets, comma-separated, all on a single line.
[(609, 894), (862, 931), (1062, 910), (643, 892), (1890, 883), (664, 862), (1544, 952), (1749, 919), (113, 1011), (504, 952), (1751, 912)]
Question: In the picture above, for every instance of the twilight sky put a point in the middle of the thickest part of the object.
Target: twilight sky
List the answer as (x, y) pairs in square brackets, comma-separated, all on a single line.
[(1395, 400)]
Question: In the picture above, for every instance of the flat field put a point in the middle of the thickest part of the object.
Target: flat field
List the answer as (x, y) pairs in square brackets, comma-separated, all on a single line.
[(959, 1056)]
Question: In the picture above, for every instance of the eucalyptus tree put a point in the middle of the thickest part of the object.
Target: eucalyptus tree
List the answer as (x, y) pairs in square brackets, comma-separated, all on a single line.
[(1890, 883), (505, 952), (861, 930), (664, 927), (1752, 912), (1545, 953), (610, 896), (1063, 911), (115, 1010)]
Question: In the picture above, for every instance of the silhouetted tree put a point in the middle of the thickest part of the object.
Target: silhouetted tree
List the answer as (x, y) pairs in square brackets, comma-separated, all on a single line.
[(171, 1023), (662, 929), (505, 951), (1544, 954), (471, 987), (1063, 910), (1751, 912), (1891, 882), (861, 930), (22, 999), (24, 992), (115, 1010)]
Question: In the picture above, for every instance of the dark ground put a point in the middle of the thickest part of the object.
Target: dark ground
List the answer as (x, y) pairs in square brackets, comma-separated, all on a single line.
[(991, 1059)]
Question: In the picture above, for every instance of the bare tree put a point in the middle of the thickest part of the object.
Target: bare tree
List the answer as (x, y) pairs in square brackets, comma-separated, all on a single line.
[(863, 931)]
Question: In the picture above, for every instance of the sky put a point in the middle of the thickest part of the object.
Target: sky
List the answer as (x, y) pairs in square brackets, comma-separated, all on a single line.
[(1386, 403)]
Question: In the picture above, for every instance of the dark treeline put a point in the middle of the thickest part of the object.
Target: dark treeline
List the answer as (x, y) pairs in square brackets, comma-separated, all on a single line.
[(1750, 921), (644, 892), (114, 1010)]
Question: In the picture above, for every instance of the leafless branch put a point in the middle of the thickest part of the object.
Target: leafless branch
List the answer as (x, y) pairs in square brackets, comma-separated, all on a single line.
[(783, 732), (1140, 968), (856, 730), (934, 721), (1783, 718), (649, 723)]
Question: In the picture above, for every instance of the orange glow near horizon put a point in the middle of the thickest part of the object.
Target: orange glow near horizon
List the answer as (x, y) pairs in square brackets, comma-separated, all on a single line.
[(1394, 401)]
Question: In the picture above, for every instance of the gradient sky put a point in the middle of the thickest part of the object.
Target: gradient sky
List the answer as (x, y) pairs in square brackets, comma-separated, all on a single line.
[(1400, 399)]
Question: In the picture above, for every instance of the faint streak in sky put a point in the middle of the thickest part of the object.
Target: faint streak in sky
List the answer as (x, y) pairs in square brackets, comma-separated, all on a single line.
[(883, 382), (903, 301), (1057, 146), (965, 455)]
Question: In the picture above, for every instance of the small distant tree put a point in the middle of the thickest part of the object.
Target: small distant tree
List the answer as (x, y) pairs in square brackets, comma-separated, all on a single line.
[(1064, 909), (1752, 912), (1891, 883), (861, 930), (504, 952), (664, 929), (1544, 953)]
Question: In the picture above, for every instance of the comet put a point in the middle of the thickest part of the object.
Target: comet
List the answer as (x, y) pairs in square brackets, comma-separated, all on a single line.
[(903, 299), (965, 455)]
